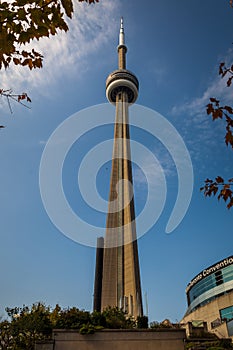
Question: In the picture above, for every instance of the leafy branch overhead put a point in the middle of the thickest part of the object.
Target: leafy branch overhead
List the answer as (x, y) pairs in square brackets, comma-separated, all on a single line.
[(21, 98), (21, 21), (219, 185), (217, 111)]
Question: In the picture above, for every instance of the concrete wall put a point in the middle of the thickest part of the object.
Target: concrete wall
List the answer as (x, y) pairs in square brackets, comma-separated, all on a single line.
[(48, 345), (170, 339), (209, 313)]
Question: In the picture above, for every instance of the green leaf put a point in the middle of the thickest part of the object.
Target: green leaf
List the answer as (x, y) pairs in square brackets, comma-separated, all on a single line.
[(22, 15), (43, 31), (23, 37)]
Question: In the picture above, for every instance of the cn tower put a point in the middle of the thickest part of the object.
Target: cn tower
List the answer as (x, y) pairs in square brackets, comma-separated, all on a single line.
[(117, 279)]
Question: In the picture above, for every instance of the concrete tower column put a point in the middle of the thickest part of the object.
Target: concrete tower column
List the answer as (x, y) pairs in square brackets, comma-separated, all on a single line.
[(121, 285)]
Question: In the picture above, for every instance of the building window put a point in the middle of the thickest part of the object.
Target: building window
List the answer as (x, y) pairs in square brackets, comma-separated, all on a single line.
[(216, 323), (230, 328), (227, 313), (218, 277), (208, 284)]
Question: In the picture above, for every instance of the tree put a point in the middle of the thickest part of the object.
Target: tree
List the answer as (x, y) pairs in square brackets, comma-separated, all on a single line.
[(21, 21), (142, 322), (6, 339), (220, 186), (72, 318), (117, 319), (26, 325), (15, 97), (164, 324)]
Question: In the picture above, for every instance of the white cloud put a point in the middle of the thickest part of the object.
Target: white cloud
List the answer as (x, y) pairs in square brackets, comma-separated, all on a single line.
[(197, 128), (42, 142), (90, 28), (217, 89), (150, 173), (159, 72)]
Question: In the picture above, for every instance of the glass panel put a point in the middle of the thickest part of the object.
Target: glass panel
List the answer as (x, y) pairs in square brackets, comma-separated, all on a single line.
[(230, 328), (227, 313), (219, 277)]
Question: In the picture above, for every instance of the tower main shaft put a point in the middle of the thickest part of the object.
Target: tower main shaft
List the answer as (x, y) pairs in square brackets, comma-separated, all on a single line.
[(121, 276)]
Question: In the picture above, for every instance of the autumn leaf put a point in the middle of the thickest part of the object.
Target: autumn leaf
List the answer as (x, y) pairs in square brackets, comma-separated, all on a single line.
[(229, 81), (222, 64), (217, 113), (212, 99), (16, 61), (230, 204), (23, 20), (228, 109), (219, 179), (224, 189), (209, 109), (208, 180)]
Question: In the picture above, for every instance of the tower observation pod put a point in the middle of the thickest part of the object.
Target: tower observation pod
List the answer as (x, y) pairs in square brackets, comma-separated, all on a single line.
[(120, 273), (122, 80)]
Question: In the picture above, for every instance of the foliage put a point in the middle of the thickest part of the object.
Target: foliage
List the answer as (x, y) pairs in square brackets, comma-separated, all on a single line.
[(20, 98), (218, 111), (87, 329), (29, 324), (6, 339), (21, 21), (201, 342), (219, 185), (116, 318), (142, 322), (159, 325), (220, 344), (98, 319), (72, 318), (154, 324), (225, 343)]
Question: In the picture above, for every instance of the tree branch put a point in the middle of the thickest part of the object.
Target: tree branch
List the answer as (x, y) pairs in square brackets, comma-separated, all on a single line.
[(220, 187), (8, 94)]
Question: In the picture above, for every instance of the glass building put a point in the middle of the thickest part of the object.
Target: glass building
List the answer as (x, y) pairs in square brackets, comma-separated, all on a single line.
[(210, 284)]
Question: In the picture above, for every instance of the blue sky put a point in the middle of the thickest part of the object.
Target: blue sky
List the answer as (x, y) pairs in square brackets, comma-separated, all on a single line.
[(174, 48)]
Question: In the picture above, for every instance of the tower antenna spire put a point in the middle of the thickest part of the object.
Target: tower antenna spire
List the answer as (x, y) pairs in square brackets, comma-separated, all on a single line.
[(122, 49), (122, 34)]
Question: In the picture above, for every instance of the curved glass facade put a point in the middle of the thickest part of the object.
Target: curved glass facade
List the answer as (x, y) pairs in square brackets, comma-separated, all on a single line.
[(210, 283)]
